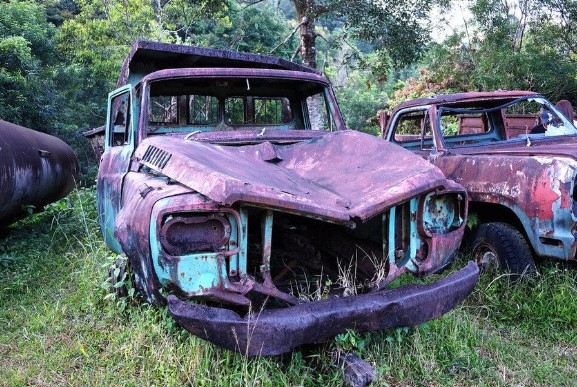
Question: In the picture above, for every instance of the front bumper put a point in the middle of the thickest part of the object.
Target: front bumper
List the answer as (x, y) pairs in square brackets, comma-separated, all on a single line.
[(275, 331)]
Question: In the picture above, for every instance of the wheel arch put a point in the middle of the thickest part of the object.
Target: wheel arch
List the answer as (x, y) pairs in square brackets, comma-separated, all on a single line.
[(496, 212)]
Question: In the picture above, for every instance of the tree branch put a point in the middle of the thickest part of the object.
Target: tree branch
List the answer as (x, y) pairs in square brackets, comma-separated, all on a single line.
[(287, 38), (295, 53), (327, 8), (327, 51), (250, 3)]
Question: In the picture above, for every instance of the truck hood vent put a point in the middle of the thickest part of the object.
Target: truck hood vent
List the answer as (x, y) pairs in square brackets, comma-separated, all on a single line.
[(155, 157)]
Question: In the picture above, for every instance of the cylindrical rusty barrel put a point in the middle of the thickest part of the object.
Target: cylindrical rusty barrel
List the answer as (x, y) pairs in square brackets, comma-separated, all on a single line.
[(35, 169)]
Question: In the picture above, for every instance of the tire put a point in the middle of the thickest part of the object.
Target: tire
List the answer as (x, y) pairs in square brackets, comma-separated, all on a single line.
[(502, 246)]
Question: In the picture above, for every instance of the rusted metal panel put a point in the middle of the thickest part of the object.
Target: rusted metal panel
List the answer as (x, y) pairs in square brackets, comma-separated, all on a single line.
[(272, 332), (538, 189), (306, 177), (35, 169), (530, 178), (469, 97), (256, 216), (147, 56), (96, 138)]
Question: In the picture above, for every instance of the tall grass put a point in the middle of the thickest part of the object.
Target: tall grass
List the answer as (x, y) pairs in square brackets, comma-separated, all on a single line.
[(57, 327)]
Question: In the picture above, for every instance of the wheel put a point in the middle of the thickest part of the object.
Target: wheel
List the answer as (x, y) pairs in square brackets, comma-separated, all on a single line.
[(502, 246), (117, 276)]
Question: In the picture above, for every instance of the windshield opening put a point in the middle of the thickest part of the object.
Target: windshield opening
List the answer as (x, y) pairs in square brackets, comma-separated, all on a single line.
[(491, 121), (217, 104)]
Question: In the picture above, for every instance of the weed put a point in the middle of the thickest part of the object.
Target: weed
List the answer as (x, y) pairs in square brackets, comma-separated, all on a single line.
[(347, 279), (397, 335), (352, 341), (57, 329), (472, 220), (118, 285)]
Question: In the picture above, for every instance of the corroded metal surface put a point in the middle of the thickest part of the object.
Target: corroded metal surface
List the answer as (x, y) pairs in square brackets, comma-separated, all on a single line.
[(262, 215), (306, 177), (537, 184), (272, 332), (146, 57), (491, 97), (35, 169), (510, 175)]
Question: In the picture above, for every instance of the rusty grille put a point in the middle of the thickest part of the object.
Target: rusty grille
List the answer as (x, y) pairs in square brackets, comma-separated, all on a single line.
[(156, 157), (400, 233)]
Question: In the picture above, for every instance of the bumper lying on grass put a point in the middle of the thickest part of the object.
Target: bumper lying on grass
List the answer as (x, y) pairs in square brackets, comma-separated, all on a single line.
[(272, 332)]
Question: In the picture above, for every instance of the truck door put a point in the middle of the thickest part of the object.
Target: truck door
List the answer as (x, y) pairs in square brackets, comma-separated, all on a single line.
[(121, 125), (412, 129)]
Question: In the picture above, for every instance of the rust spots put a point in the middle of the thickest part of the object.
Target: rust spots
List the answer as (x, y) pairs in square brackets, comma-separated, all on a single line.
[(35, 169)]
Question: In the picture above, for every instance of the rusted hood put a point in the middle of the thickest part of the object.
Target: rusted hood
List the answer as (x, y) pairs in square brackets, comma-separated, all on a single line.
[(340, 176)]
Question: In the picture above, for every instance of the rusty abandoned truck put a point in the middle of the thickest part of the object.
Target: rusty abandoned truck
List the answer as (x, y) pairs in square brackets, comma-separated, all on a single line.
[(521, 186), (35, 169), (246, 218)]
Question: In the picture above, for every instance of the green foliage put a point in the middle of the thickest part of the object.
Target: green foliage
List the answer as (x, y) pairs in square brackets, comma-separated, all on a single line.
[(398, 26), (359, 99), (27, 19), (121, 291), (26, 49), (528, 49), (397, 335), (472, 220), (542, 306), (352, 341), (55, 316), (259, 29)]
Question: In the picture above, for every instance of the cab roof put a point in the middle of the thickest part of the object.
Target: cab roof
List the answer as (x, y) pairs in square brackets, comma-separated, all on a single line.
[(146, 57), (476, 96)]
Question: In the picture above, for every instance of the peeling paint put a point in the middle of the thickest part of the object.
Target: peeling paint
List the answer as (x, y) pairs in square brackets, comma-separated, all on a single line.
[(528, 179), (263, 221)]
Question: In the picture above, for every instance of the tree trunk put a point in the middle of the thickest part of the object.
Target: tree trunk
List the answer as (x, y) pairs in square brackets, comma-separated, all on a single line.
[(306, 17)]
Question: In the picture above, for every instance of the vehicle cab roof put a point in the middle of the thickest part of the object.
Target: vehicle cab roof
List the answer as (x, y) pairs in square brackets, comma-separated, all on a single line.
[(234, 73), (476, 96), (146, 57)]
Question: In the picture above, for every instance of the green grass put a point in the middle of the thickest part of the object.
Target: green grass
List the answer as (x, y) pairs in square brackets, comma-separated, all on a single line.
[(57, 327)]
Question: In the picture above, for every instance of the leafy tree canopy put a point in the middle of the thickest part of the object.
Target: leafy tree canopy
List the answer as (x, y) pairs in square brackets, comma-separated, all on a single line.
[(26, 49), (510, 45)]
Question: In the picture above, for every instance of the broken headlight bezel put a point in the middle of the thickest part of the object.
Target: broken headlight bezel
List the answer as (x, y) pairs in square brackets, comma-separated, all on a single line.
[(186, 233), (441, 212)]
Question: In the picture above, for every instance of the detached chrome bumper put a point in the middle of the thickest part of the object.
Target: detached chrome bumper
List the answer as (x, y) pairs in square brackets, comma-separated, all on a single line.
[(275, 331)]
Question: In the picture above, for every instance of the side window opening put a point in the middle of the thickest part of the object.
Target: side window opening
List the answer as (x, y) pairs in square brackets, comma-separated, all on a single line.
[(318, 115), (472, 127), (413, 130), (120, 120)]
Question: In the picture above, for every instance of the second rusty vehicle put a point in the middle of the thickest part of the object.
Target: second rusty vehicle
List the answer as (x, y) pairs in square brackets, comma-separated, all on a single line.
[(521, 184), (230, 182)]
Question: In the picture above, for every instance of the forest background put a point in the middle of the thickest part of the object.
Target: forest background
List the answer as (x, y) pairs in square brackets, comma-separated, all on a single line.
[(60, 58)]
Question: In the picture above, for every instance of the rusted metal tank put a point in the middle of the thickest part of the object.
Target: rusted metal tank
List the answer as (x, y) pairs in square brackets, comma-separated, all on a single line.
[(35, 169)]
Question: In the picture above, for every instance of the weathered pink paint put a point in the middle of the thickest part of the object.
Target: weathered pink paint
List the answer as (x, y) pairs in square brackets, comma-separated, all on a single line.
[(239, 213), (511, 176)]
